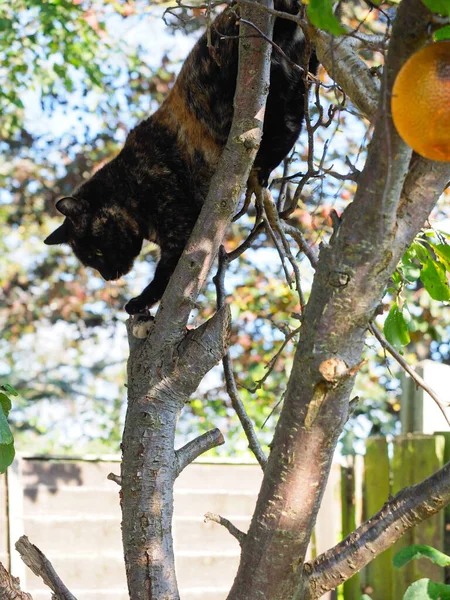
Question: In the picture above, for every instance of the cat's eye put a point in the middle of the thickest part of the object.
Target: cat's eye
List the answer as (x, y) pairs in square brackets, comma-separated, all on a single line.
[(98, 253)]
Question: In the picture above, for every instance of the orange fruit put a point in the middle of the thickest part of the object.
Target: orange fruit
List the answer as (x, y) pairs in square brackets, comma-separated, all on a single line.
[(421, 101)]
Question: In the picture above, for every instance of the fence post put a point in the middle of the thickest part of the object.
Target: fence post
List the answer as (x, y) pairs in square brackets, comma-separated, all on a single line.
[(446, 511), (378, 574), (352, 587), (415, 457), (14, 489)]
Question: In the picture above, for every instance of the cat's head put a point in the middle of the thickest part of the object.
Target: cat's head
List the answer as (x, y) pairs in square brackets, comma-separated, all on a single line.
[(105, 237)]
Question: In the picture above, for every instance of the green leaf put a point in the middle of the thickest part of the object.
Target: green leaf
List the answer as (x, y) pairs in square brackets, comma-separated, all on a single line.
[(5, 403), (421, 252), (442, 34), (395, 328), (420, 551), (434, 278), (9, 388), (424, 589), (409, 266), (396, 279), (6, 436), (443, 252), (320, 13), (438, 6), (7, 453)]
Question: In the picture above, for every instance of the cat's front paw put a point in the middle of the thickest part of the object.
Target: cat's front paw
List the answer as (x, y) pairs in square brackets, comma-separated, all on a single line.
[(137, 305)]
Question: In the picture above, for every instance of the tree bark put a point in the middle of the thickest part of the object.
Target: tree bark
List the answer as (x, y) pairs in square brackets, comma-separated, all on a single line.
[(167, 366), (158, 386), (389, 208), (408, 508)]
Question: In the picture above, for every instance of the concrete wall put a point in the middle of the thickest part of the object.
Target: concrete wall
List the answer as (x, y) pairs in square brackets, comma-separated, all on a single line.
[(71, 512), (4, 555)]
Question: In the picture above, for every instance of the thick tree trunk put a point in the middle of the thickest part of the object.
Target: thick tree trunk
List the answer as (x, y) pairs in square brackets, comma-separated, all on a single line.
[(166, 367), (394, 198)]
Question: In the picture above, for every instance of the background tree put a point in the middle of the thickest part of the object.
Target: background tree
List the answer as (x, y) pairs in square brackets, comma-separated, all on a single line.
[(70, 123), (391, 203)]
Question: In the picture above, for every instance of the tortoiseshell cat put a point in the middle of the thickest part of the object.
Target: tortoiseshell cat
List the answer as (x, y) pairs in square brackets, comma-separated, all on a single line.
[(155, 187)]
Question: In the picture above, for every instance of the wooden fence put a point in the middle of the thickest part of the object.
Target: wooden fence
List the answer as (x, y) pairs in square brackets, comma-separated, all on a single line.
[(385, 470), (71, 511)]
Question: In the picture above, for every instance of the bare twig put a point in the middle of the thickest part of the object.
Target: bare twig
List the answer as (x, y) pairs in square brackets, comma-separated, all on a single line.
[(277, 13), (235, 532), (116, 478), (352, 176), (279, 248), (258, 227), (238, 406), (207, 5), (443, 406), (10, 587), (248, 197), (230, 381), (232, 390), (272, 362), (284, 183), (190, 451), (298, 236), (280, 51), (42, 567), (274, 219)]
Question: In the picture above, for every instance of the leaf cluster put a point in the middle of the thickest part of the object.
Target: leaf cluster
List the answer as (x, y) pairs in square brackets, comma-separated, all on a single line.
[(424, 589), (7, 451), (427, 262)]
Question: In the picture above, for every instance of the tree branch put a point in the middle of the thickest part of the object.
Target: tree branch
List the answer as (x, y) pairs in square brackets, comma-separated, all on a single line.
[(350, 279), (193, 449), (167, 366), (338, 56), (298, 236), (235, 532), (202, 348), (10, 587), (228, 182), (42, 567), (116, 478), (273, 221), (230, 381), (410, 506), (239, 408), (409, 369)]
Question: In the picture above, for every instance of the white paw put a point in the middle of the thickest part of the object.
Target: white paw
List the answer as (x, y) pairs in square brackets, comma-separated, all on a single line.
[(142, 326)]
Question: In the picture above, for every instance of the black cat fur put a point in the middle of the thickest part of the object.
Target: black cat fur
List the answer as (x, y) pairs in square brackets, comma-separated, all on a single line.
[(154, 188)]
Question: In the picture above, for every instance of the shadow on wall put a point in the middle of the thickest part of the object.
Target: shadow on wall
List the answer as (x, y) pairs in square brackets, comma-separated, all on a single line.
[(49, 476)]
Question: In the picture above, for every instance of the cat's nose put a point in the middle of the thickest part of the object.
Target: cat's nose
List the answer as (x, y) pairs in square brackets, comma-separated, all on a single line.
[(109, 275)]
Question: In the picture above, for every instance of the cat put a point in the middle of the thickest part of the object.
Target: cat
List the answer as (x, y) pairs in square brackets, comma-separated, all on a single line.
[(154, 188)]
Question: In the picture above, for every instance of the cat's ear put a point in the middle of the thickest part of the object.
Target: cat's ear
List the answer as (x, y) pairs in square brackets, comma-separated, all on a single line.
[(72, 207), (59, 236)]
